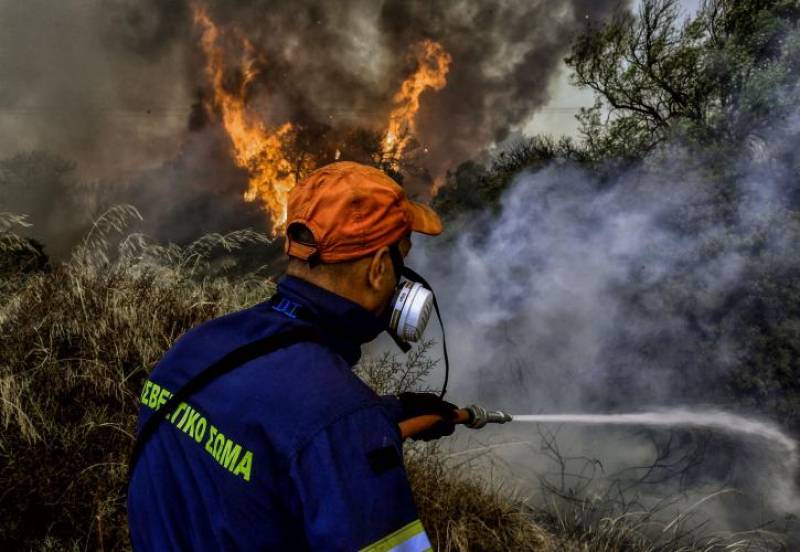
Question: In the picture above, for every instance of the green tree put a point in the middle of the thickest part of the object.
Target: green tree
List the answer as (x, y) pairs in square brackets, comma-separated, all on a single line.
[(473, 186), (718, 76)]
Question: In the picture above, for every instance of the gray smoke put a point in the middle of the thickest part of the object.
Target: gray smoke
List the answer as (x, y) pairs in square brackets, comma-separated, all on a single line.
[(70, 87), (340, 63), (626, 293), (111, 85)]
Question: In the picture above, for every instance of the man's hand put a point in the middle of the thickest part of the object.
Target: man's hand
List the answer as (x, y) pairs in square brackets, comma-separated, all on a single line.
[(420, 404)]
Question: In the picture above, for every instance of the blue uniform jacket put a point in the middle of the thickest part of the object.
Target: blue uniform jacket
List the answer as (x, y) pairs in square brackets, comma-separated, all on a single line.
[(290, 451)]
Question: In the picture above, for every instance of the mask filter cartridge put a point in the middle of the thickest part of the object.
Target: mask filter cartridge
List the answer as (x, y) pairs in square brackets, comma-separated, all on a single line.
[(411, 309)]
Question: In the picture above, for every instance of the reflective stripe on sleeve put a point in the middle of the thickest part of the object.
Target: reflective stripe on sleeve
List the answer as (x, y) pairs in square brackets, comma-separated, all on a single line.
[(411, 538)]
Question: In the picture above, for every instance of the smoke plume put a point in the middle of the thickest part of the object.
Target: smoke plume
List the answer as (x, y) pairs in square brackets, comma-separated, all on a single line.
[(629, 293), (115, 86)]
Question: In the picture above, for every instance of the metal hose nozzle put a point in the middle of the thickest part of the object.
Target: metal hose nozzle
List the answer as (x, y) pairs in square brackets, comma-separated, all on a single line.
[(479, 416), (473, 416)]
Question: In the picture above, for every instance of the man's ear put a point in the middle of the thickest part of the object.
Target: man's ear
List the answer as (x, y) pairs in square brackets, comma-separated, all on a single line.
[(378, 267)]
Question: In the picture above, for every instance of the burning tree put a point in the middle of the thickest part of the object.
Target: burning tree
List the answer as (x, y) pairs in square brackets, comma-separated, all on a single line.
[(276, 157)]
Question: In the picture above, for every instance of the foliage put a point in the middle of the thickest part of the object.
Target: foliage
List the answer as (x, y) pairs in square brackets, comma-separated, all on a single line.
[(77, 339), (18, 255), (472, 187), (719, 76), (722, 84), (465, 512), (703, 108), (76, 343), (612, 516)]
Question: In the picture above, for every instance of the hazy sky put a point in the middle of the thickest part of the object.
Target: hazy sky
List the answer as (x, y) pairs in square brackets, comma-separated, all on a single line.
[(558, 116)]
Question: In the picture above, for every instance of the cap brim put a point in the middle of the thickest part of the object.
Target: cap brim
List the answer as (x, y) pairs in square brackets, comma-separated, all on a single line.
[(424, 219)]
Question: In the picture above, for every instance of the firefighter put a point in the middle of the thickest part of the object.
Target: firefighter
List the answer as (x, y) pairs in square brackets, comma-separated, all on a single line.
[(289, 450)]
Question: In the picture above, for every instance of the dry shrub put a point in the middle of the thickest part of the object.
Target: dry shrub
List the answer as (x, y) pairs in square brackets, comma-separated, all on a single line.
[(76, 343), (462, 511), (75, 346)]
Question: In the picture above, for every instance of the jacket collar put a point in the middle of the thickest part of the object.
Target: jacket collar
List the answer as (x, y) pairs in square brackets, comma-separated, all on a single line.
[(348, 323)]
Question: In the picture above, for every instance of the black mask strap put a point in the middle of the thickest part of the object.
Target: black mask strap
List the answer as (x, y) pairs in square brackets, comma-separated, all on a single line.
[(397, 261), (414, 277)]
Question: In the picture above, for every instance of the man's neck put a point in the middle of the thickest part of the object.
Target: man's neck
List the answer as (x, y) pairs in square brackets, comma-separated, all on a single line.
[(336, 284)]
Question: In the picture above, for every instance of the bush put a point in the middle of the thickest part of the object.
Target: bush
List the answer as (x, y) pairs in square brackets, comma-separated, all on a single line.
[(76, 344)]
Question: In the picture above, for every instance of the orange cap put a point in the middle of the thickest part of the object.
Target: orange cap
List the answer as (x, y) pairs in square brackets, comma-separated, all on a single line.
[(353, 210)]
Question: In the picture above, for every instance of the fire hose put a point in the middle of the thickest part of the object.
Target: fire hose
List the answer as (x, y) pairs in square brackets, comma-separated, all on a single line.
[(473, 416)]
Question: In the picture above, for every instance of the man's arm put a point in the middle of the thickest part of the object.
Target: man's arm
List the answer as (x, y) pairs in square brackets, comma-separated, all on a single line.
[(410, 405), (353, 488), (394, 408)]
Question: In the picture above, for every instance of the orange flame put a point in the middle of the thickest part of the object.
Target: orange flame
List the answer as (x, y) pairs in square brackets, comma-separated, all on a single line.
[(256, 148), (264, 152), (433, 64)]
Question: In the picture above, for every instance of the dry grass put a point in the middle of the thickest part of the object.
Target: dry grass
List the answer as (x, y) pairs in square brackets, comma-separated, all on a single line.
[(463, 511), (460, 510), (76, 343), (75, 346)]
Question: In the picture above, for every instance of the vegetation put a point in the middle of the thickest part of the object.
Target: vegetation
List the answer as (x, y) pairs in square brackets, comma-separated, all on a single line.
[(78, 338), (702, 108), (713, 83), (719, 77), (77, 343)]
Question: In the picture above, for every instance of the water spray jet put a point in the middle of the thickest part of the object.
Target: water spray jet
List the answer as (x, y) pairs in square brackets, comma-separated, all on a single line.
[(711, 419), (476, 417)]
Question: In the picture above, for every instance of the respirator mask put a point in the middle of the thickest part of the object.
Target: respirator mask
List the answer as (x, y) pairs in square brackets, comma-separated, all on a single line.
[(410, 309)]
